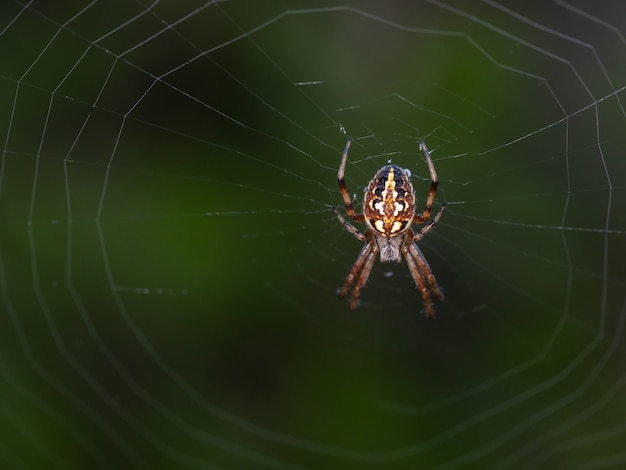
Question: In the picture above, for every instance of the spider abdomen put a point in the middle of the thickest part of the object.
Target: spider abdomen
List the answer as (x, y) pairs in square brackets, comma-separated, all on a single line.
[(389, 205)]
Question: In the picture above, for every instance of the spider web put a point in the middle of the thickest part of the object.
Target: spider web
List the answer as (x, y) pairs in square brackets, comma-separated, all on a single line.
[(169, 257)]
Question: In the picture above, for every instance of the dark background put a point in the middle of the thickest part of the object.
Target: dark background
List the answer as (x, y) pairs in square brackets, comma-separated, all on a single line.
[(169, 258)]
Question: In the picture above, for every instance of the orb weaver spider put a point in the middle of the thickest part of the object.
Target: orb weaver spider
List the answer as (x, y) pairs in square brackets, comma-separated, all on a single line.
[(389, 212)]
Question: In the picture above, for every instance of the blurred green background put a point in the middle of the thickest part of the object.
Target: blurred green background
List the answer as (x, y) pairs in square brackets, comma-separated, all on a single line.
[(169, 258)]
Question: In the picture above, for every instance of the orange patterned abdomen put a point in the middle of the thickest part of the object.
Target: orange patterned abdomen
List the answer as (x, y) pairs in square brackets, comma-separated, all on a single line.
[(389, 205)]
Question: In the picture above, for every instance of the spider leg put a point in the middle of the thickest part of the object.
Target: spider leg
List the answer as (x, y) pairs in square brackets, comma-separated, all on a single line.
[(344, 189), (425, 270), (430, 225), (355, 270), (365, 273), (419, 282), (434, 182), (348, 226)]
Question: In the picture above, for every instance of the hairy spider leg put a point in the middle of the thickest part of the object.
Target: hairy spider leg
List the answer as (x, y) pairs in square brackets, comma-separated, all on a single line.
[(342, 185), (365, 273), (434, 182), (356, 269), (421, 285), (424, 268)]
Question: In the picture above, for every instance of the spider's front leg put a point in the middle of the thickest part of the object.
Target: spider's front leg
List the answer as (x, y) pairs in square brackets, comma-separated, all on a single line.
[(419, 282), (357, 268), (365, 273)]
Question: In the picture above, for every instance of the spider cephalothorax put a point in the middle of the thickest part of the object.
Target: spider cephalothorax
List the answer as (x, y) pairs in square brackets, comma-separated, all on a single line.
[(389, 212)]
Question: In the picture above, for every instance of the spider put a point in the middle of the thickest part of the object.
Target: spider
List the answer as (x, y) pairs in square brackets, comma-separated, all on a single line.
[(389, 212)]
